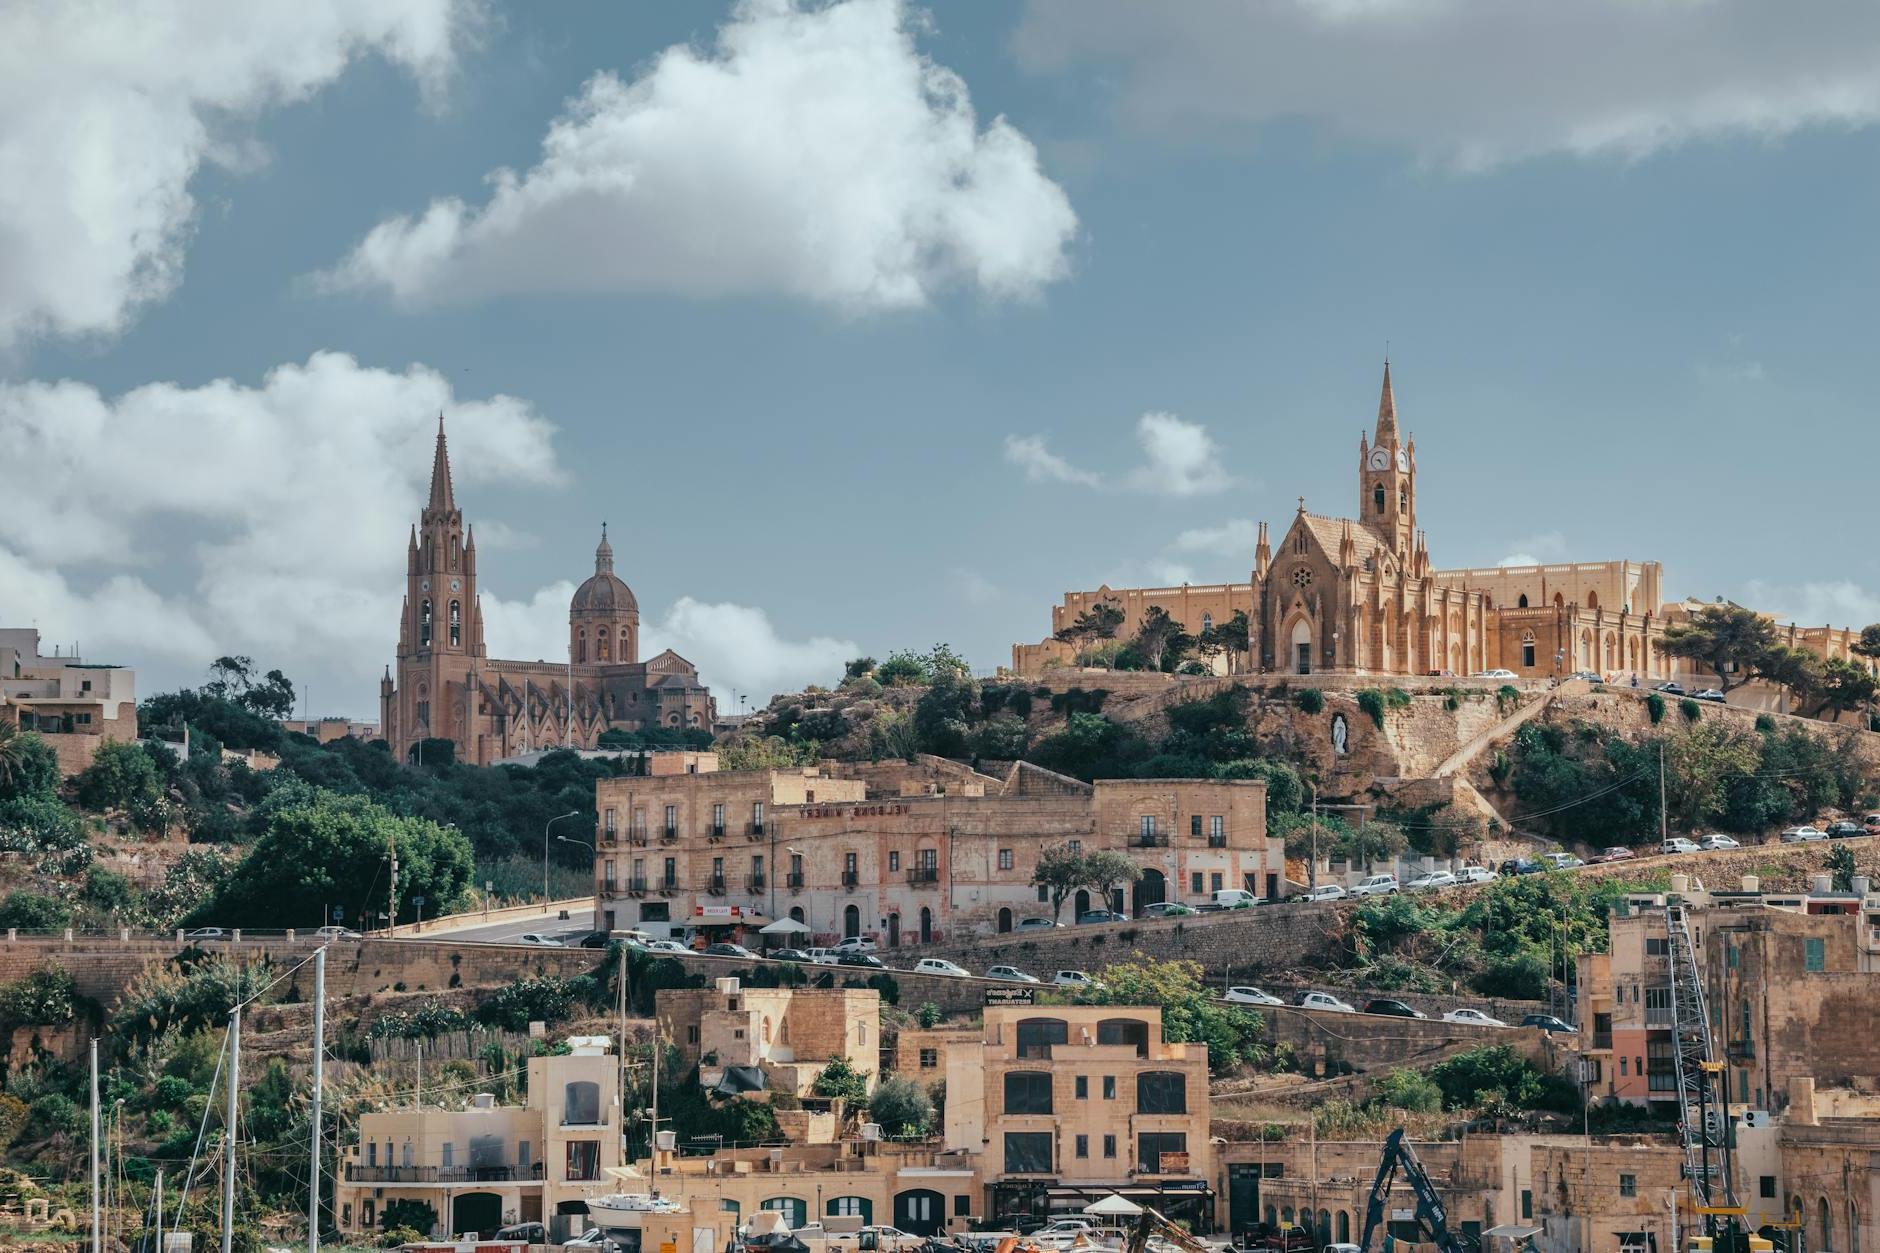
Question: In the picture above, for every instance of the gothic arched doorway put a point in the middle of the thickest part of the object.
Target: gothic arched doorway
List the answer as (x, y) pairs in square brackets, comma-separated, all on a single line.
[(894, 930), (1150, 889), (926, 925), (1301, 647), (851, 922), (1080, 904), (1005, 920)]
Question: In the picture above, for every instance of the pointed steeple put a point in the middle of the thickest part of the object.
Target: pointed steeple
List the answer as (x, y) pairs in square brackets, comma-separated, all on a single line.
[(604, 554), (443, 500), (1386, 412)]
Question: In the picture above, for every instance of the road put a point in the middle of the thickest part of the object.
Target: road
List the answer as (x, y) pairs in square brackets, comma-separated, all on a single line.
[(579, 923)]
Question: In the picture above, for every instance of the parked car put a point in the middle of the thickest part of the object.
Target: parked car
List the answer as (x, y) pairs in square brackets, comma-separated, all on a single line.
[(206, 933), (1803, 834), (1010, 974), (1618, 852), (1323, 1000), (1670, 689), (1591, 676), (790, 955), (337, 933), (1073, 979), (1844, 830), (666, 946), (725, 948), (537, 940), (1709, 694), (524, 1233), (592, 1238), (1391, 1007), (1475, 874), (1090, 916), (1037, 924), (1494, 674), (821, 956), (1250, 996), (1871, 824), (1474, 1017), (1430, 880), (1562, 861), (1167, 909), (1235, 898), (1549, 1024), (854, 944), (854, 957), (1377, 885), (1717, 842), (939, 966), (596, 939), (1323, 892), (1678, 844), (1521, 865)]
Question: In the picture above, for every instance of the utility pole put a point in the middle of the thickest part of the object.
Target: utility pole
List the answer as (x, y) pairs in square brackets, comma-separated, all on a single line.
[(1662, 822), (391, 902), (97, 1207), (157, 1247), (228, 1127), (319, 1079)]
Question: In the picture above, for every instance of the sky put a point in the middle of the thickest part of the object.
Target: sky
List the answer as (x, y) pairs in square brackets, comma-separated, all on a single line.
[(866, 325)]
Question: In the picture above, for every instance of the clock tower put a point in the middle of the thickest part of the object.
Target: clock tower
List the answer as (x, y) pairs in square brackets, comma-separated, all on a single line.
[(1387, 478)]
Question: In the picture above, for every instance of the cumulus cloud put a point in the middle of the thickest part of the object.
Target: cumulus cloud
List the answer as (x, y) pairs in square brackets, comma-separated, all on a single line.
[(811, 152), (1235, 538), (107, 111), (277, 510), (738, 647), (1041, 465), (1179, 458), (1830, 602), (1536, 550), (1471, 83)]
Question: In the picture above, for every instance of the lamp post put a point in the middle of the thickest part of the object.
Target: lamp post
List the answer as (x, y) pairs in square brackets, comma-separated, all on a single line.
[(572, 813)]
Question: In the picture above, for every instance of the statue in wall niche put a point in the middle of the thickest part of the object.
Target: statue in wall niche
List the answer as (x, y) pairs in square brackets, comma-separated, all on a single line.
[(1341, 735)]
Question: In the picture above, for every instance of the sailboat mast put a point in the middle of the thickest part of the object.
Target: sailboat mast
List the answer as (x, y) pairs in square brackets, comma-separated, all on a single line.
[(228, 1128), (97, 1207), (319, 1080), (157, 1247)]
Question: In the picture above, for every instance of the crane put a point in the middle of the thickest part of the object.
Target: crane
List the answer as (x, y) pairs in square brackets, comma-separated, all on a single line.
[(1431, 1216), (1152, 1223)]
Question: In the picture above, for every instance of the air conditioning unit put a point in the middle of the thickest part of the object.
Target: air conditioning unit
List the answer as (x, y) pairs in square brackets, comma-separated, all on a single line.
[(871, 1131), (1757, 1118)]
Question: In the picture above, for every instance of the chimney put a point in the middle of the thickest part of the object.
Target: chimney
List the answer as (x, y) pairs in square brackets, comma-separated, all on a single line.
[(1802, 1100), (1752, 884)]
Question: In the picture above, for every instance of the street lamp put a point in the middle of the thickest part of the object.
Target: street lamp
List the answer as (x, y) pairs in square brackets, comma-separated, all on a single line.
[(572, 813)]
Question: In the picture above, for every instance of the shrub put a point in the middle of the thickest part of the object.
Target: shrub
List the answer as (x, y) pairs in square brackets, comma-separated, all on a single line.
[(1311, 700), (1691, 710), (406, 1213), (841, 1080), (901, 1106), (928, 1015), (1411, 1090), (44, 998), (33, 911), (1507, 696), (1495, 1072), (1452, 698), (1372, 702), (1655, 708), (120, 776), (1765, 723)]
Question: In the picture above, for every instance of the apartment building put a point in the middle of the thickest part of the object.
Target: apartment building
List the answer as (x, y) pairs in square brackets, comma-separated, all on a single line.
[(760, 1041), (73, 704), (909, 855), (485, 1166)]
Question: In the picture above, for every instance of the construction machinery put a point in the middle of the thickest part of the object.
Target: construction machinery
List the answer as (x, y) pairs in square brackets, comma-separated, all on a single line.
[(1432, 1220), (1150, 1223)]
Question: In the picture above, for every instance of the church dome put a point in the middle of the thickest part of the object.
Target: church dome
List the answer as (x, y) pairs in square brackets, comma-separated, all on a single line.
[(605, 592)]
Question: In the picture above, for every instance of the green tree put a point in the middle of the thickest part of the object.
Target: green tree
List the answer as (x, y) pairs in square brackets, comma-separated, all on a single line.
[(1496, 1073), (1161, 640), (1412, 1090), (33, 911), (858, 668), (1840, 863), (28, 766), (1868, 645), (1191, 1014), (120, 776), (943, 715), (901, 1106), (1099, 622), (1840, 685), (841, 1081), (1699, 766), (1108, 869), (1001, 738), (403, 1213), (233, 679), (1726, 639), (1060, 871)]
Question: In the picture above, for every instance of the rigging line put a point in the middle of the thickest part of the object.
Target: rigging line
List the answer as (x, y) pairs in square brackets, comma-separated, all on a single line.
[(202, 1130), (263, 990)]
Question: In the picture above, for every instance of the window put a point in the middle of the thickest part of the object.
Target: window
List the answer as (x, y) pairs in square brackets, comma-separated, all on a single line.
[(1628, 1185), (1075, 846), (962, 1206), (1083, 1146), (450, 1154), (1027, 1092), (672, 819), (581, 1103), (757, 817), (1207, 622), (718, 818), (1109, 1146), (672, 871), (1161, 1092), (1109, 1087), (1527, 646), (691, 1034), (1005, 859), (1215, 881), (1028, 1152), (456, 623), (1082, 1087), (848, 863), (1622, 1066), (1194, 883), (849, 1207), (1153, 1147), (1815, 955), (1217, 828), (372, 1152), (1527, 1205), (1730, 955), (1194, 824), (929, 1059), (894, 862), (1035, 1036), (522, 1152), (1657, 946), (1148, 826), (1766, 1187), (1377, 497), (584, 1160)]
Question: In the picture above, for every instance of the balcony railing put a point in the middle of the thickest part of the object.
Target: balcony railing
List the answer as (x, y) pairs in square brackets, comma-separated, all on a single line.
[(610, 835), (755, 830), (636, 834), (923, 877), (794, 880), (851, 879), (1602, 1039), (610, 888), (669, 835), (715, 885), (1657, 1017), (668, 886), (754, 882), (636, 887), (1217, 841), (1149, 839), (715, 832), (356, 1173)]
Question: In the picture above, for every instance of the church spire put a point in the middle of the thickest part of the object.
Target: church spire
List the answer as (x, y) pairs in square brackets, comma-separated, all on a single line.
[(1386, 412), (604, 554), (443, 500)]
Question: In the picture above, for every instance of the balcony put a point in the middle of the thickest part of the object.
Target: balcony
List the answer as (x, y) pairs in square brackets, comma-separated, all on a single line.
[(356, 1173), (851, 879), (636, 834), (715, 885), (1148, 839), (1602, 1040), (669, 835), (609, 836), (715, 832), (755, 830), (794, 881), (636, 887), (754, 882), (610, 888), (1742, 1050), (924, 877), (1217, 841), (1656, 1016), (668, 886)]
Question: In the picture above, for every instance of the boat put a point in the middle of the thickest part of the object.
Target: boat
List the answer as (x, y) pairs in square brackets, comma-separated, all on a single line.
[(623, 1209)]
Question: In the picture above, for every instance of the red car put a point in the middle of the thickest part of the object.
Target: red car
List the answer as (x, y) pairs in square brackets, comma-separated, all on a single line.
[(1617, 852)]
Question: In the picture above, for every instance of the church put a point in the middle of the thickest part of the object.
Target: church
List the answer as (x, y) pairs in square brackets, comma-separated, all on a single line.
[(446, 687), (1359, 595)]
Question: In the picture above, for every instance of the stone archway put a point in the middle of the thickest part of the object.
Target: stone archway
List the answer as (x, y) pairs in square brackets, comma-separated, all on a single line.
[(1080, 904), (1005, 920), (1299, 645), (1150, 889), (894, 930)]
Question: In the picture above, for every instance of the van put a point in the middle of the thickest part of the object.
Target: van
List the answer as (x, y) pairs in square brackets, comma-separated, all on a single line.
[(1235, 898)]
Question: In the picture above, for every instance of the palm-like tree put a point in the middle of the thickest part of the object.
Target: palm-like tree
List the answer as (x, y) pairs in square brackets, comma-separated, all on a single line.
[(13, 749)]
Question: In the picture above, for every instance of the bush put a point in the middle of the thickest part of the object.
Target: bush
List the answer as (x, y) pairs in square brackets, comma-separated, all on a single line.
[(839, 1080), (1691, 710), (902, 1107), (1411, 1090), (1765, 723), (45, 998), (403, 1212), (33, 911), (1311, 700), (32, 766), (1655, 707), (928, 1015), (1372, 702), (1495, 1072), (120, 776)]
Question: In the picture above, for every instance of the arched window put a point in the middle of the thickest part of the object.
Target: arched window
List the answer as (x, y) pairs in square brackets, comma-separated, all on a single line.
[(1272, 1216), (1827, 1228), (424, 623), (1125, 1031), (1403, 506), (852, 1207), (1527, 649), (795, 1210), (581, 1103), (1037, 1036), (1161, 1092), (1522, 603), (1207, 622), (1592, 599), (1560, 602), (601, 650), (1344, 1227), (456, 624), (851, 922), (1377, 497), (580, 646), (1027, 1092), (1286, 1215)]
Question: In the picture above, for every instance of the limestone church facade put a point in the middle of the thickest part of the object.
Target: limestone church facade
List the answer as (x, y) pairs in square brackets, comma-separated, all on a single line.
[(444, 685)]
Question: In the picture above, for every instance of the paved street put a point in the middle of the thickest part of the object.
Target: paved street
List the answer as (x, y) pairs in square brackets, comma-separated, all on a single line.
[(579, 922)]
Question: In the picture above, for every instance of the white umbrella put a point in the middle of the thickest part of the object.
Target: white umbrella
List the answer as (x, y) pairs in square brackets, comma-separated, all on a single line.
[(785, 926), (1113, 1206)]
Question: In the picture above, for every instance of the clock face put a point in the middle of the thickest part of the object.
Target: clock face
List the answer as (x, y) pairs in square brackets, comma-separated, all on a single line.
[(425, 586), (1403, 460), (1380, 460), (455, 585)]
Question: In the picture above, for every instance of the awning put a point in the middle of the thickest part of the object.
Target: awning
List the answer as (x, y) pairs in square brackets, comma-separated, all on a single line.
[(738, 1079), (1510, 1231), (1113, 1206), (785, 926)]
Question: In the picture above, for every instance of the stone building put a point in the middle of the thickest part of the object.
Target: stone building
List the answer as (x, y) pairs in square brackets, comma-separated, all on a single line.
[(882, 853), (487, 1165), (446, 687), (760, 1041), (74, 705)]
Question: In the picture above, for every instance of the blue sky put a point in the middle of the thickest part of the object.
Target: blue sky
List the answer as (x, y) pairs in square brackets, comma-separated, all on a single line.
[(846, 371)]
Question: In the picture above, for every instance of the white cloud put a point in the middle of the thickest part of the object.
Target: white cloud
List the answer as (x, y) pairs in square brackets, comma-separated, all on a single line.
[(1833, 602), (1171, 573), (1041, 465), (1180, 458), (535, 629), (1471, 83), (107, 111), (812, 152), (736, 647), (1235, 538), (277, 511), (1536, 550), (972, 587)]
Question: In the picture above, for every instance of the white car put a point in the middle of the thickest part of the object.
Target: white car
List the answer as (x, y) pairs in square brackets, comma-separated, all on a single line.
[(1377, 885), (1469, 875), (1326, 1001), (853, 944), (1324, 892), (1494, 674), (1430, 880), (539, 941), (1803, 835), (939, 966), (1562, 861), (1717, 843), (1010, 974), (1678, 844), (1073, 979), (1250, 996), (1037, 924), (337, 933), (822, 956), (1473, 1017)]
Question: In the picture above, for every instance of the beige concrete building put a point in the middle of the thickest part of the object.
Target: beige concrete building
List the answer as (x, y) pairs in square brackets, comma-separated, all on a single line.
[(909, 857), (327, 730), (486, 1165), (74, 705), (756, 1042)]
